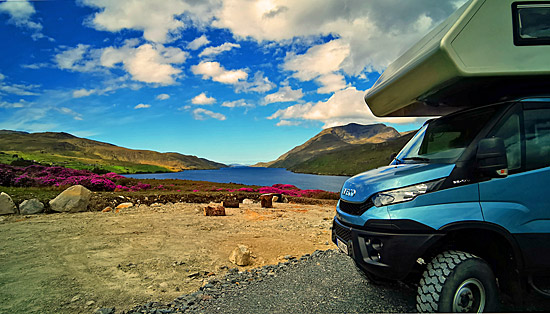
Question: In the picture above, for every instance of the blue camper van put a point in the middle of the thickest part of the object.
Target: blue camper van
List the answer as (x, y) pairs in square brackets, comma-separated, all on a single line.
[(464, 207)]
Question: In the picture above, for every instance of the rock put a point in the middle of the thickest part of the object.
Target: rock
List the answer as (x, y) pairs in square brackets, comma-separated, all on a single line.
[(240, 255), (107, 209), (230, 204), (7, 206), (72, 200), (90, 303), (247, 201), (124, 205), (30, 207), (214, 211), (275, 199), (156, 205), (266, 200), (105, 310), (75, 298)]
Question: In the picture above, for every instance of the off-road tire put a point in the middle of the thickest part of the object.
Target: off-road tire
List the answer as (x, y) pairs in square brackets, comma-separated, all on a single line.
[(446, 273)]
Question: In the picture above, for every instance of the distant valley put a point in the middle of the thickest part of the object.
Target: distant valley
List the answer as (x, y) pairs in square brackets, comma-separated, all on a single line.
[(343, 150), (64, 149)]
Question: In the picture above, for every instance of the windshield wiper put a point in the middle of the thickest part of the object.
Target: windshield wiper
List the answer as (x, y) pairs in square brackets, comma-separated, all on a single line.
[(421, 159)]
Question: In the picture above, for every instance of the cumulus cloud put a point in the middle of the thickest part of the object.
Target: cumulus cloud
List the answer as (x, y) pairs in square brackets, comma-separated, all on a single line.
[(203, 114), (202, 99), (146, 63), (83, 92), (20, 13), (163, 96), (214, 71), (343, 107), (331, 83), (237, 103), (80, 59), (142, 106), (284, 94), (258, 84), (212, 51), (198, 43)]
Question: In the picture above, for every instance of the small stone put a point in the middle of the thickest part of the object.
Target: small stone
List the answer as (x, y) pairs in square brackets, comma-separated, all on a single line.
[(214, 211), (7, 206), (107, 209), (240, 255), (31, 207), (230, 203), (156, 205), (247, 201), (163, 285), (90, 303), (124, 205), (75, 298), (266, 200), (192, 275), (105, 310)]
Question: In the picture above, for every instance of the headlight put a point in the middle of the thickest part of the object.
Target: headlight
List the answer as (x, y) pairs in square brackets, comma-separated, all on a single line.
[(405, 194)]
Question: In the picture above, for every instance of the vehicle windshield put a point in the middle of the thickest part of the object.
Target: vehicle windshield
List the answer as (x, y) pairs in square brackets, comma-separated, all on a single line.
[(445, 139)]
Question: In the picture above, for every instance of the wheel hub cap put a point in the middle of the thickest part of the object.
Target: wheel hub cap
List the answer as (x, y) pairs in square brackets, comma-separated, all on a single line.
[(469, 297)]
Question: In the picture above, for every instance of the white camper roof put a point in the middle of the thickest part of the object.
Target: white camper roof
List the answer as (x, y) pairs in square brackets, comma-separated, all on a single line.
[(488, 50)]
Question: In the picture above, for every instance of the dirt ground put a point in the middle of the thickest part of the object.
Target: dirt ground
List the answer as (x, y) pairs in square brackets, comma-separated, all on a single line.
[(77, 263)]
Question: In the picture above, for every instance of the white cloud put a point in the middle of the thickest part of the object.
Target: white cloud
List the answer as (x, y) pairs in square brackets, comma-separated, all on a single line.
[(163, 96), (318, 60), (83, 92), (80, 59), (2, 76), (288, 123), (212, 51), (237, 103), (331, 83), (20, 104), (147, 63), (213, 70), (202, 99), (259, 84), (198, 42), (157, 19), (343, 107), (17, 89), (284, 94), (35, 66), (203, 114), (20, 13), (142, 106), (70, 112)]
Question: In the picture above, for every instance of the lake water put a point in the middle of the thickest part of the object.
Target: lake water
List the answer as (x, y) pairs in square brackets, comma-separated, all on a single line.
[(254, 176)]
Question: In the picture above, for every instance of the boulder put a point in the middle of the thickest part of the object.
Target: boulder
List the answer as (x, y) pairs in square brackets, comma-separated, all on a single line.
[(240, 255), (7, 206), (230, 204), (266, 200), (72, 200), (31, 207), (214, 210)]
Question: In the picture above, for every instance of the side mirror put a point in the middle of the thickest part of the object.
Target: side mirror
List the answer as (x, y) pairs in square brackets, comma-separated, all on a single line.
[(392, 156), (491, 158)]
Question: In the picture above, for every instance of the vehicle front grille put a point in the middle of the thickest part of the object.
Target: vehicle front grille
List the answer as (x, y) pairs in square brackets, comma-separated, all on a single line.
[(341, 231), (356, 209)]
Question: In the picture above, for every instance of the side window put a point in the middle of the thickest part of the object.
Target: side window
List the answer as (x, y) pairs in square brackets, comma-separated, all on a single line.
[(509, 131), (537, 138)]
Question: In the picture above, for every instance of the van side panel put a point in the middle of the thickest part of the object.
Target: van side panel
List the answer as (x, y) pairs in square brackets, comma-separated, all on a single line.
[(521, 204), (440, 208)]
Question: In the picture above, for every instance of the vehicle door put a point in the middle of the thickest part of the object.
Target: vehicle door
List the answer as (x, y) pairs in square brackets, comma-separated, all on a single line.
[(521, 201)]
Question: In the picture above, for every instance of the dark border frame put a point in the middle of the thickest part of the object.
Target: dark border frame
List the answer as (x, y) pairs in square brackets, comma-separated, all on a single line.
[(518, 41)]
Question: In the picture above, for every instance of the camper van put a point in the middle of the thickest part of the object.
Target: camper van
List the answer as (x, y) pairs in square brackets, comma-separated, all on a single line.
[(464, 208)]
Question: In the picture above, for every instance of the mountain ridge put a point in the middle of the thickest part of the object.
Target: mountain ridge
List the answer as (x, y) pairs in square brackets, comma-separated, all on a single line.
[(61, 147)]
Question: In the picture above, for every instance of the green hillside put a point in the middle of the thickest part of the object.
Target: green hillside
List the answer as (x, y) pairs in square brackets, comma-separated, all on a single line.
[(66, 150)]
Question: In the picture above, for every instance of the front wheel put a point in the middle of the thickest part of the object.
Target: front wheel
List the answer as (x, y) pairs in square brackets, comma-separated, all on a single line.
[(456, 281)]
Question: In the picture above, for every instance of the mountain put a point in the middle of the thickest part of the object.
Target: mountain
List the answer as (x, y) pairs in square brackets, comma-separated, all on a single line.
[(343, 150), (75, 152)]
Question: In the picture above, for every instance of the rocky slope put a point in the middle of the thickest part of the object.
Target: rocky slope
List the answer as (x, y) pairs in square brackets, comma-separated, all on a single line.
[(64, 148), (343, 150)]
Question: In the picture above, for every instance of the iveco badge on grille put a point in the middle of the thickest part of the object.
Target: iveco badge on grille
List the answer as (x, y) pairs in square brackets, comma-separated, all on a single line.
[(349, 192)]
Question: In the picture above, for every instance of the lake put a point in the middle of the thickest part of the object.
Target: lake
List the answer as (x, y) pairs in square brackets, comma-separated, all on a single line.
[(254, 176)]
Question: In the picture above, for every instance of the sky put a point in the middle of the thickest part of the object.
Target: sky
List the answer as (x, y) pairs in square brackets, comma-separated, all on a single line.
[(233, 81)]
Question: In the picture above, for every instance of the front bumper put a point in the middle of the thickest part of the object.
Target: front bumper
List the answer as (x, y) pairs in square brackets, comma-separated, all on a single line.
[(390, 253)]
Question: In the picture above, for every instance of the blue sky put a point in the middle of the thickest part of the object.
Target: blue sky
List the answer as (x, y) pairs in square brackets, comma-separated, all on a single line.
[(234, 81)]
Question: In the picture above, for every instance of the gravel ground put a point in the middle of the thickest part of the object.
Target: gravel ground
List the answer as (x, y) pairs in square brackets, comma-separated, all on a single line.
[(323, 282)]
